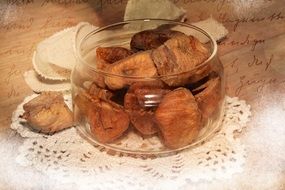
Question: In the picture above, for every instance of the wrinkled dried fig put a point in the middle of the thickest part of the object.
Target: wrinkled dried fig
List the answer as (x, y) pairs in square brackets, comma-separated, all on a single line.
[(109, 123), (142, 120), (107, 120), (98, 77), (208, 96), (139, 64), (178, 118), (105, 56), (140, 102), (181, 55), (47, 113), (151, 39), (103, 94), (112, 54)]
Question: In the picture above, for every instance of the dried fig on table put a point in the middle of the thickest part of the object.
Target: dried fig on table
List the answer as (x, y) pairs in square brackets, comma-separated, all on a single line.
[(151, 39), (181, 55), (208, 96), (108, 121), (140, 103), (48, 113), (139, 64), (178, 118)]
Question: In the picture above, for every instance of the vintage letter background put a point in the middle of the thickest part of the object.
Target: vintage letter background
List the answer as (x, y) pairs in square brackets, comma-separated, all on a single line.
[(253, 55)]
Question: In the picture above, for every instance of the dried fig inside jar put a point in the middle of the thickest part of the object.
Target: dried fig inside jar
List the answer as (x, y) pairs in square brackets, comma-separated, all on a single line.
[(179, 118), (108, 121), (140, 102), (139, 64), (112, 54), (208, 96), (181, 55), (105, 57), (151, 39), (98, 92)]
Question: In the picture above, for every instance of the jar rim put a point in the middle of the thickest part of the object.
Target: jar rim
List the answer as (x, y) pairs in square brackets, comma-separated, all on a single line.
[(209, 36)]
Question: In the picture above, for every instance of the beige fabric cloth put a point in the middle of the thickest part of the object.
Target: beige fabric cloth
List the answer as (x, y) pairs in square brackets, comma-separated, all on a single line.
[(39, 84), (163, 9)]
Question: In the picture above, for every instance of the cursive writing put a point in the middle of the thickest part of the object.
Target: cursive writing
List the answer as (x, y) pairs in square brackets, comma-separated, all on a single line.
[(13, 71), (98, 4), (18, 50), (233, 67), (101, 4), (223, 17), (19, 2), (255, 61), (22, 24), (64, 2), (52, 22), (258, 62), (257, 84), (219, 4), (12, 92), (248, 40)]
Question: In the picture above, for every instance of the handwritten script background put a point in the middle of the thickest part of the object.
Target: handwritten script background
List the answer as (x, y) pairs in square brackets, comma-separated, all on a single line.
[(253, 55)]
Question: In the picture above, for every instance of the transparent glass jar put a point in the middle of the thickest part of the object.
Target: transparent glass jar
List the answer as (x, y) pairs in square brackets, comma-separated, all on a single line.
[(134, 107)]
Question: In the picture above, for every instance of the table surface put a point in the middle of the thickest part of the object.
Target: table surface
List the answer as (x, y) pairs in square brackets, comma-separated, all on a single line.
[(253, 55)]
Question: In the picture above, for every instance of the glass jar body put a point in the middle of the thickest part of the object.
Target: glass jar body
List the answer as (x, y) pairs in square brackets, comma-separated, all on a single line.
[(130, 113)]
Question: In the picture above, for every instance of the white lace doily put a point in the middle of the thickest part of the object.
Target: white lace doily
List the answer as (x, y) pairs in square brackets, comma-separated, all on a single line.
[(68, 158)]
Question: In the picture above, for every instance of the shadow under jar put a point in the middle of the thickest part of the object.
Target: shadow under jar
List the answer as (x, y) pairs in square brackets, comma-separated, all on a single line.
[(150, 87)]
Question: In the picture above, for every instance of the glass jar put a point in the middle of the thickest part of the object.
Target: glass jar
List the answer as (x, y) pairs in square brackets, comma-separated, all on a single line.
[(154, 102)]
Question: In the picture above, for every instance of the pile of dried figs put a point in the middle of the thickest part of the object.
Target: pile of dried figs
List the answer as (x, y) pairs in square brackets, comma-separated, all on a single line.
[(158, 87)]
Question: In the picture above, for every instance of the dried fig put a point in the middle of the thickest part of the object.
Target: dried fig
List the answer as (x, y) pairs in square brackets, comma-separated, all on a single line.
[(48, 113), (181, 54), (139, 64), (112, 54), (140, 102), (178, 118), (151, 39), (98, 77), (104, 94), (208, 96), (108, 121), (98, 92), (105, 56), (142, 120)]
